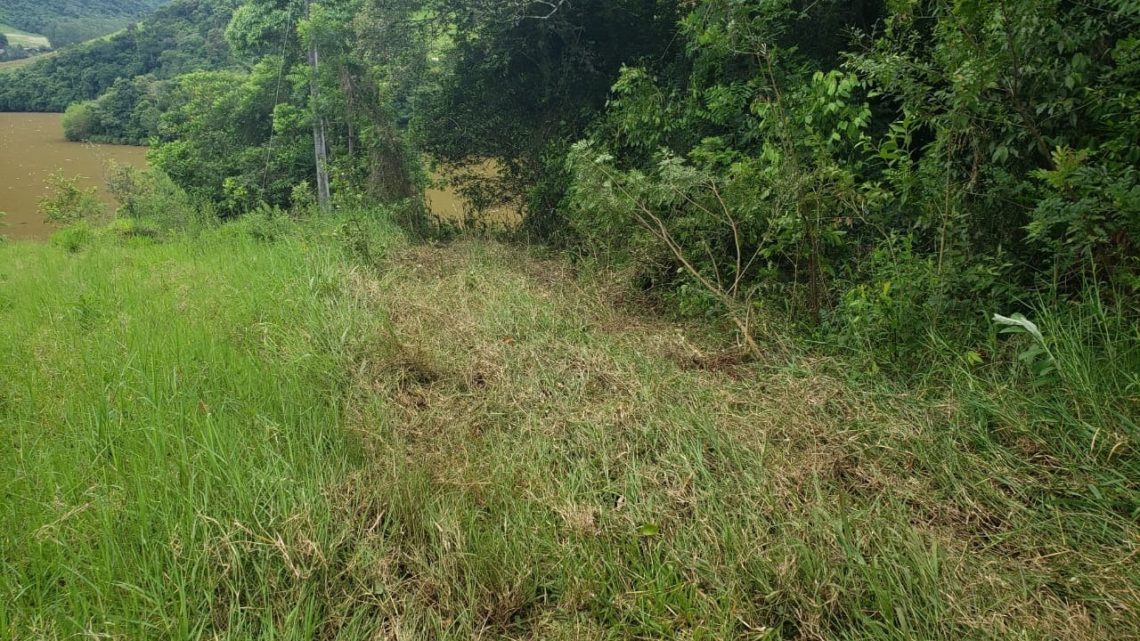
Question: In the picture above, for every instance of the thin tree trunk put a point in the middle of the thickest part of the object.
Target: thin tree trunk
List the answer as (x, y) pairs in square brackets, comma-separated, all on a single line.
[(349, 91), (319, 149)]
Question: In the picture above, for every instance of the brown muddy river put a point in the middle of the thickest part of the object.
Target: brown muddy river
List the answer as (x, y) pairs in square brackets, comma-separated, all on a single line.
[(447, 204), (32, 147)]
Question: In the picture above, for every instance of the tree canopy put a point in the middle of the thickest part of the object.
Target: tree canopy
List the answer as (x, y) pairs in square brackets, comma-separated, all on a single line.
[(849, 162)]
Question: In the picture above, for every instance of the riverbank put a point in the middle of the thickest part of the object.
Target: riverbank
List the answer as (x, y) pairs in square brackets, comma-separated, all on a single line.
[(32, 148), (325, 431)]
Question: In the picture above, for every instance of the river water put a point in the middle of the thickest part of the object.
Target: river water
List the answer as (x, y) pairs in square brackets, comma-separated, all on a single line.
[(446, 203), (32, 147)]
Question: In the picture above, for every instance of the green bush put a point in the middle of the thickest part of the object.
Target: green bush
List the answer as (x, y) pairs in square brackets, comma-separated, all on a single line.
[(1089, 216), (67, 202), (265, 224), (80, 121), (133, 230), (75, 237), (153, 197)]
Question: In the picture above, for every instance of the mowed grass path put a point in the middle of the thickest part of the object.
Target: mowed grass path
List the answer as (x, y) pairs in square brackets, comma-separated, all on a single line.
[(332, 434)]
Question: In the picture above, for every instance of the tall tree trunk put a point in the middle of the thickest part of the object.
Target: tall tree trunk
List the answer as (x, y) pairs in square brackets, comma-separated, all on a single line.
[(319, 149), (349, 91)]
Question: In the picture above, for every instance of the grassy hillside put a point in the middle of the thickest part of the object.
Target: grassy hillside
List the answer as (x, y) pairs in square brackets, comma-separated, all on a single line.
[(12, 65), (24, 39), (269, 432), (153, 399), (67, 22), (186, 35)]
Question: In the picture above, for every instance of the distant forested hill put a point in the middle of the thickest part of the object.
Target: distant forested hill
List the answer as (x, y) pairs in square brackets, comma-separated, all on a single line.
[(67, 22), (186, 35)]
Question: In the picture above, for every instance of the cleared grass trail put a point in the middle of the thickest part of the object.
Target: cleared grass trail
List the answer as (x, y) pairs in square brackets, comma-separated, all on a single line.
[(336, 435), (569, 470)]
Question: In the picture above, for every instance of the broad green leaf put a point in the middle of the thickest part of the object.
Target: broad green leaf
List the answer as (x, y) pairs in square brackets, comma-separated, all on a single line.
[(1019, 320)]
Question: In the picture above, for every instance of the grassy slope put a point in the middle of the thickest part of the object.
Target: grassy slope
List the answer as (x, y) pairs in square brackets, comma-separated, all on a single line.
[(67, 22), (16, 64), (244, 439), (23, 38), (164, 410)]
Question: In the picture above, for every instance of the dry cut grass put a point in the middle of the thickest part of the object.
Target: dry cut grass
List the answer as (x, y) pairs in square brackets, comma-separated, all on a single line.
[(544, 466)]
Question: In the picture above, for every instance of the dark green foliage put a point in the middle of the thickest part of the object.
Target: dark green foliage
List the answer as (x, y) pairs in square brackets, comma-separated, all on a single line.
[(216, 139), (997, 107), (520, 85), (184, 36), (750, 169), (957, 160), (126, 115)]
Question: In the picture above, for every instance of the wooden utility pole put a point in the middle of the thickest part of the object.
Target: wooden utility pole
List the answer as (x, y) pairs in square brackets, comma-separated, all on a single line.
[(319, 149)]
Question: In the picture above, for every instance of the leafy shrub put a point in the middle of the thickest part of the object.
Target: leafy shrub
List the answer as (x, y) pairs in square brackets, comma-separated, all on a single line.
[(80, 121), (367, 234), (1090, 215), (735, 224), (892, 308), (133, 229), (153, 197), (302, 200), (67, 202), (896, 297), (265, 224)]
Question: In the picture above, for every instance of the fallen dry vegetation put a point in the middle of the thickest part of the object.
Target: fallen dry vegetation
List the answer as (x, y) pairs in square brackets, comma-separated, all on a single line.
[(543, 465)]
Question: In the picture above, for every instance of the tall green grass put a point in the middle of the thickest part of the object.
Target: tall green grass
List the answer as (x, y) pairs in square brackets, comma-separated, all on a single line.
[(1048, 436), (164, 409), (271, 431)]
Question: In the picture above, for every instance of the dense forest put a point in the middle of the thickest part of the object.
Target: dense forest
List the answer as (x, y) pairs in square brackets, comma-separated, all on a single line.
[(66, 22), (875, 172), (944, 197)]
